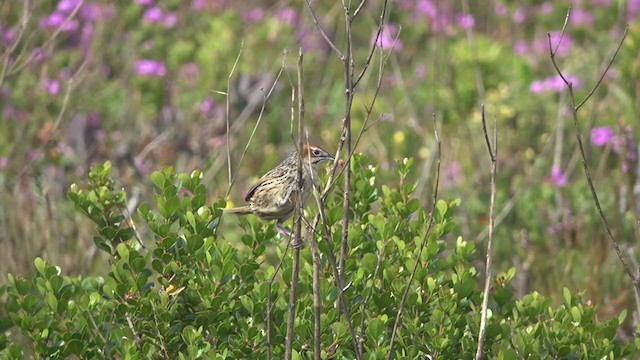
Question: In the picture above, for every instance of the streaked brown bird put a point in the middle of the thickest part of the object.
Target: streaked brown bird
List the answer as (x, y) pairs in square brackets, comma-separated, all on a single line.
[(276, 193)]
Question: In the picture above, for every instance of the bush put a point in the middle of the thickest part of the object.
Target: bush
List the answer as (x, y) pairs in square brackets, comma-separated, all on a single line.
[(200, 291)]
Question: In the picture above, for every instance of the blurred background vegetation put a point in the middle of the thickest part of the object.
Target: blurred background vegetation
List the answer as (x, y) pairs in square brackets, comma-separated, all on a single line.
[(142, 83)]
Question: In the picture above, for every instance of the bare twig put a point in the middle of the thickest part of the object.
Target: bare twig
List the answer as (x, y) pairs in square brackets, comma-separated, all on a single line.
[(375, 42), (270, 302), (349, 89), (228, 132), (293, 291), (317, 305), (322, 32), (493, 156), (425, 239), (255, 128), (635, 279)]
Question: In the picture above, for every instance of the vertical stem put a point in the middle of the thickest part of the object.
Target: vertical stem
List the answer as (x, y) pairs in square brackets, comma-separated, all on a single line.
[(492, 209), (316, 294), (293, 295), (348, 79)]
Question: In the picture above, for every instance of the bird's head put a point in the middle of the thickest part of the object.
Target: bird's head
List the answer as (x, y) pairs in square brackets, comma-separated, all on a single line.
[(315, 155)]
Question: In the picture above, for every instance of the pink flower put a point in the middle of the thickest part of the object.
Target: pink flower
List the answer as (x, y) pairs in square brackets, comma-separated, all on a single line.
[(67, 6), (500, 10), (52, 86), (465, 21), (519, 16), (253, 16), (581, 17), (147, 67), (387, 38), (153, 15), (144, 2), (521, 48), (4, 162), (601, 136), (286, 15), (557, 177), (170, 20), (206, 106)]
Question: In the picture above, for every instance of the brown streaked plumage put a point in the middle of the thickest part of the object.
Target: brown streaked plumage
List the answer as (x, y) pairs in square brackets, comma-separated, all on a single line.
[(275, 194)]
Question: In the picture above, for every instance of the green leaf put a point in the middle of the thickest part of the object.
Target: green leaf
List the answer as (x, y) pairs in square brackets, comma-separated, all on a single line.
[(567, 296), (158, 179), (40, 265), (369, 262)]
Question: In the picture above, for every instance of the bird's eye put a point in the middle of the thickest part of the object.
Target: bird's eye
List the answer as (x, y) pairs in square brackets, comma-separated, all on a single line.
[(316, 152)]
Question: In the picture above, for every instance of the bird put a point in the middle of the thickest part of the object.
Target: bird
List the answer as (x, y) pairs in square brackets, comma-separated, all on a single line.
[(275, 194)]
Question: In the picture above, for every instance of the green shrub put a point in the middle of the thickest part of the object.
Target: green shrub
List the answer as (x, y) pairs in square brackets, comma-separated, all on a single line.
[(199, 291)]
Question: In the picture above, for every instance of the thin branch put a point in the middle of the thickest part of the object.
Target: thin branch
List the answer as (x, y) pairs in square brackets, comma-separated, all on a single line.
[(635, 279), (48, 42), (228, 132), (317, 305), (322, 32), (293, 291), (375, 42), (255, 128), (606, 70), (270, 302), (425, 239), (349, 89), (493, 156)]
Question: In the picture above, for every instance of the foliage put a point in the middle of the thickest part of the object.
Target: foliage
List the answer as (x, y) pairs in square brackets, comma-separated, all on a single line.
[(201, 293)]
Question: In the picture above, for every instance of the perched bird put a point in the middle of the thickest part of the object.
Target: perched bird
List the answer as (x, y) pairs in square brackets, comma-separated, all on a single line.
[(276, 193)]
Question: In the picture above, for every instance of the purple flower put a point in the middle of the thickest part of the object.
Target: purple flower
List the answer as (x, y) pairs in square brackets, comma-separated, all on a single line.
[(153, 15), (4, 162), (521, 48), (542, 45), (557, 177), (90, 12), (52, 86), (519, 16), (198, 5), (427, 7), (206, 106), (57, 19), (144, 2), (252, 16), (465, 21), (67, 6), (286, 15), (500, 10), (387, 38), (581, 17), (633, 8), (7, 36), (147, 67), (170, 20), (601, 136), (554, 84), (547, 8)]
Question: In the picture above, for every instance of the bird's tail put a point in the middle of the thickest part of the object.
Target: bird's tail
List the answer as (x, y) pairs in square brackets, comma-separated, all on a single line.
[(242, 210)]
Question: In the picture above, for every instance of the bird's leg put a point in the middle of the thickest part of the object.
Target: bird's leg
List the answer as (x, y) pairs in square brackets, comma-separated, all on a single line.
[(284, 232), (287, 234)]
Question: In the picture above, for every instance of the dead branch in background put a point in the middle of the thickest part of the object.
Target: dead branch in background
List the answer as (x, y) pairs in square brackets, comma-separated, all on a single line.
[(423, 243), (635, 279), (228, 133), (493, 156), (265, 97)]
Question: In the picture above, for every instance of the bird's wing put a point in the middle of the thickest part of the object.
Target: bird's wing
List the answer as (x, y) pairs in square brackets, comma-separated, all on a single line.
[(273, 173), (253, 189)]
